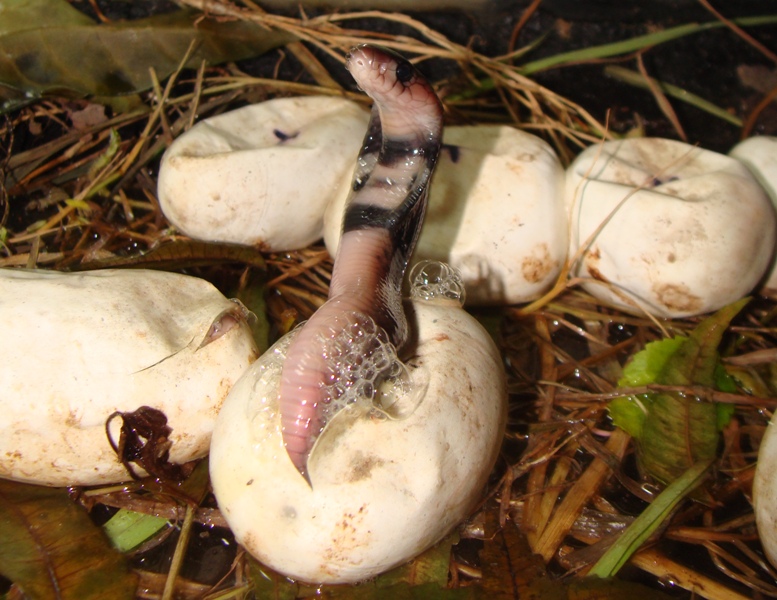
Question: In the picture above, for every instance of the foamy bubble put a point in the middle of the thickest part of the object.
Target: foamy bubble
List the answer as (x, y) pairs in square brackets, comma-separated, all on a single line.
[(432, 280), (363, 370)]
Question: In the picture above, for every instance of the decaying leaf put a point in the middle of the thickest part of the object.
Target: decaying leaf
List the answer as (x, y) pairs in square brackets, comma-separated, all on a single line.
[(19, 15), (74, 55), (181, 254), (51, 549), (145, 440), (512, 571)]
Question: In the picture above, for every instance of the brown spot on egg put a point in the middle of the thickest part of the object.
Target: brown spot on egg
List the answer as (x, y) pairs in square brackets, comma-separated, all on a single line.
[(249, 540), (73, 419), (516, 168), (592, 263), (677, 298), (538, 265), (595, 273), (362, 466)]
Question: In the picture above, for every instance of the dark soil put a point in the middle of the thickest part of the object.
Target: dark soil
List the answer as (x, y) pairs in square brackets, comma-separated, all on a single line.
[(706, 64)]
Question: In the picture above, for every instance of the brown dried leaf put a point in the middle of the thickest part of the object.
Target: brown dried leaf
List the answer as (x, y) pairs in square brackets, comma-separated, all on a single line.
[(51, 549), (117, 58)]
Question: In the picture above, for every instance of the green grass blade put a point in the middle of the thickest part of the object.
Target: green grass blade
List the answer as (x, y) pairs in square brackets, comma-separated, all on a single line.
[(649, 521), (637, 80), (636, 43), (613, 49), (128, 529)]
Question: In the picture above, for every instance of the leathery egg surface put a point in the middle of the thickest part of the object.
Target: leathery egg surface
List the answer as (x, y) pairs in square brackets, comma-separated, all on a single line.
[(262, 175), (667, 227), (496, 214), (765, 493), (383, 490), (759, 154), (80, 346)]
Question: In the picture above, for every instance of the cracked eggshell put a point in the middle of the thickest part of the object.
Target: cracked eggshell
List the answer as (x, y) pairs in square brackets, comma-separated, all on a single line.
[(262, 175), (382, 490), (765, 493), (759, 154), (696, 236), (80, 346), (496, 214)]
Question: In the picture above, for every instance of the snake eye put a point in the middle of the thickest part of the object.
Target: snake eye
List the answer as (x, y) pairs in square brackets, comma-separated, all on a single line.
[(404, 72)]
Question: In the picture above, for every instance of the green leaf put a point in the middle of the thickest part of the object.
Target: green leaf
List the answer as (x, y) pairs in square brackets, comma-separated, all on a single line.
[(629, 413), (678, 432), (649, 521), (696, 360), (647, 364), (116, 58), (674, 431), (51, 549)]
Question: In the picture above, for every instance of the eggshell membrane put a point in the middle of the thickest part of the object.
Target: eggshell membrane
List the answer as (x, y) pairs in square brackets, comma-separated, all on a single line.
[(230, 178), (80, 346), (765, 493), (696, 236), (382, 490), (496, 213), (759, 154)]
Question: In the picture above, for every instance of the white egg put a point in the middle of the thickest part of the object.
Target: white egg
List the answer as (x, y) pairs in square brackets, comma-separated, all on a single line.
[(262, 175), (382, 490), (667, 227), (79, 346), (759, 154), (765, 493), (496, 214)]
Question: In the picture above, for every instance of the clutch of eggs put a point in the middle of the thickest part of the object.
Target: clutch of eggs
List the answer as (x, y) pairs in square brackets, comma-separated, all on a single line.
[(653, 225)]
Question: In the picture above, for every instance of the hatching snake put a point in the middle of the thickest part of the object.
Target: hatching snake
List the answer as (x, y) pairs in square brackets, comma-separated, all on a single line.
[(382, 221)]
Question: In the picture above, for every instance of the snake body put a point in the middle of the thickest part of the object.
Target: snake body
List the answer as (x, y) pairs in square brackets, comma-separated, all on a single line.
[(383, 217)]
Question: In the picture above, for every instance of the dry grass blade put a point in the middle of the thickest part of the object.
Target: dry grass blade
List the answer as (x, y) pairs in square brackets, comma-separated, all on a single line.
[(677, 574), (542, 109), (740, 32), (661, 99), (577, 496)]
